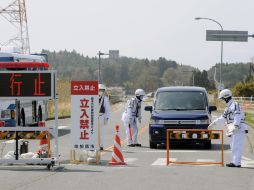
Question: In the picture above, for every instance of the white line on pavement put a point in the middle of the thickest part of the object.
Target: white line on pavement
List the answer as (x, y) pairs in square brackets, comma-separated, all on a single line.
[(247, 162), (206, 160), (176, 151), (247, 159), (130, 160), (162, 161)]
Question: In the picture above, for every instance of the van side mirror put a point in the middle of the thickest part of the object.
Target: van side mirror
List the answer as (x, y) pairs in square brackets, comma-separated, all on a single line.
[(212, 108), (149, 108)]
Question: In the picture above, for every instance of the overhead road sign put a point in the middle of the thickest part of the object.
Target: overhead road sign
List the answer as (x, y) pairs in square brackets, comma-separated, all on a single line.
[(227, 35)]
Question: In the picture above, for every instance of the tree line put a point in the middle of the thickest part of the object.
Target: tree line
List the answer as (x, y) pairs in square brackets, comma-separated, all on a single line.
[(133, 73)]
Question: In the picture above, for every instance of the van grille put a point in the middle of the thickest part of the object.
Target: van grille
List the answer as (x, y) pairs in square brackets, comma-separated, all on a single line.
[(180, 122)]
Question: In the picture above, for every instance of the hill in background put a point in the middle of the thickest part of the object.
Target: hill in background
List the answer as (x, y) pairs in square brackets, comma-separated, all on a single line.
[(132, 73)]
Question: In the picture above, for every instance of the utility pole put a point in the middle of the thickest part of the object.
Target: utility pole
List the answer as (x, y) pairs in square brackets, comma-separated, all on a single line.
[(251, 69), (15, 14), (99, 72)]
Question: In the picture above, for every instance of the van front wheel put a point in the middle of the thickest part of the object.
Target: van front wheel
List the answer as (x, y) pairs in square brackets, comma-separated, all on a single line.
[(208, 145)]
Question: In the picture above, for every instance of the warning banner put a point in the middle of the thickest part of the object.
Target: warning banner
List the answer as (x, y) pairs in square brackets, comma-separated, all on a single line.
[(84, 115)]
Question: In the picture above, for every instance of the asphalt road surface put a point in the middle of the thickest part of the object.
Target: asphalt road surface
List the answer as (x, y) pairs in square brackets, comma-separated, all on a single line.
[(145, 169)]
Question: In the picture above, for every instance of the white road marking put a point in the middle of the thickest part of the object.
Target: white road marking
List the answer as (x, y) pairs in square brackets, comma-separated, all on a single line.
[(173, 151), (247, 159), (247, 162), (206, 160), (162, 161), (130, 160)]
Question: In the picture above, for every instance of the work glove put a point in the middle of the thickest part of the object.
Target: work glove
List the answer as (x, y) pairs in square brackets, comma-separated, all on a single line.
[(105, 121), (236, 128), (232, 129)]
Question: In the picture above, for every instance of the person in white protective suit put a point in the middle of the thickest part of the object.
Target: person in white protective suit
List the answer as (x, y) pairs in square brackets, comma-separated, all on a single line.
[(233, 116), (130, 116), (104, 107)]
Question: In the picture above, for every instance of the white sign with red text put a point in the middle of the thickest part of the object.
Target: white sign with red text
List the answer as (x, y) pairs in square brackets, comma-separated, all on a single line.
[(84, 115)]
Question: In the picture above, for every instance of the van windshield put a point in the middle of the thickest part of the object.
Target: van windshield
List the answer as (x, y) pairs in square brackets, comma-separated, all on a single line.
[(180, 100)]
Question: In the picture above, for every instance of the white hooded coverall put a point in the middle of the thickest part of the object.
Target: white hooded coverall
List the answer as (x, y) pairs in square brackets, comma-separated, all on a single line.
[(131, 114), (233, 114), (104, 116)]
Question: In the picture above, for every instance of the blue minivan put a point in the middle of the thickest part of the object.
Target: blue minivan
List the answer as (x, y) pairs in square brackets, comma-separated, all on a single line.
[(179, 108)]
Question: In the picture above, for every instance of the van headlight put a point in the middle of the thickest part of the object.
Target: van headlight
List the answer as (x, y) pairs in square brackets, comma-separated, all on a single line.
[(202, 121), (156, 122)]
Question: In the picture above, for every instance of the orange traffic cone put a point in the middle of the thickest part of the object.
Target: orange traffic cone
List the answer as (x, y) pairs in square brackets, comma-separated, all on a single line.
[(117, 156)]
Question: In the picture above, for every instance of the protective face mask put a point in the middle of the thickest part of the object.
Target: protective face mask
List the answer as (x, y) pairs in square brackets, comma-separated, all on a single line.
[(100, 93), (139, 98)]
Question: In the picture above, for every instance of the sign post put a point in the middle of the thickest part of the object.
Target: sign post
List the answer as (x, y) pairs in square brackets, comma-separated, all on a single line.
[(84, 115)]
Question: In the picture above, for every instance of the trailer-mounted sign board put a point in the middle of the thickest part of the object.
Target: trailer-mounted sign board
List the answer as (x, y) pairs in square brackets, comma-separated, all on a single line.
[(27, 84)]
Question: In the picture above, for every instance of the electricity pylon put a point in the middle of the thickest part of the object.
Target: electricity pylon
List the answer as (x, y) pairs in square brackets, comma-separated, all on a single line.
[(15, 14)]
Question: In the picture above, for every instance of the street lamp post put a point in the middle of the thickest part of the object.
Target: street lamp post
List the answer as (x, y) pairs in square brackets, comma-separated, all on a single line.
[(221, 55), (99, 73)]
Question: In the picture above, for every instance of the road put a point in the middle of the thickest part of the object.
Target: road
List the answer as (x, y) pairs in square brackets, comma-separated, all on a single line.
[(145, 167)]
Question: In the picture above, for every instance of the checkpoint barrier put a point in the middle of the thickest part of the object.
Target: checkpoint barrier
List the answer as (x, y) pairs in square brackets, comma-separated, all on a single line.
[(199, 134)]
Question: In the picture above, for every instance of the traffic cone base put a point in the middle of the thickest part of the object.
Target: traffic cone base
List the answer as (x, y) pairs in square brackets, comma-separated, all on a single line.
[(117, 163)]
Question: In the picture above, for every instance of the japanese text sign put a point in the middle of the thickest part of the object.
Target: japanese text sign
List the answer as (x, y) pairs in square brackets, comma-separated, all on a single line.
[(84, 115), (25, 85)]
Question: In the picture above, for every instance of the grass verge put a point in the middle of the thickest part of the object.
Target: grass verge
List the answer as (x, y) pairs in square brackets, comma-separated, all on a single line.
[(249, 118)]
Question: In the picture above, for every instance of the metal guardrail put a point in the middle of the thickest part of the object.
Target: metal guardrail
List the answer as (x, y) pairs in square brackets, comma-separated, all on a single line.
[(244, 99), (245, 102)]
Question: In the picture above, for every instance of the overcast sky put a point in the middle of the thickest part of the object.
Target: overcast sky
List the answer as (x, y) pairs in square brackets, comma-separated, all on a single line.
[(141, 28)]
